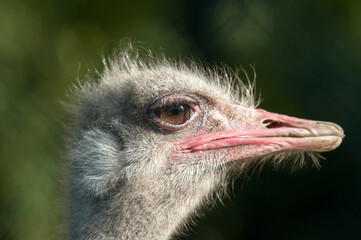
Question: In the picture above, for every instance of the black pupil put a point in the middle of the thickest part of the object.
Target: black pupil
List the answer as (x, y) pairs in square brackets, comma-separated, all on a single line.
[(177, 109)]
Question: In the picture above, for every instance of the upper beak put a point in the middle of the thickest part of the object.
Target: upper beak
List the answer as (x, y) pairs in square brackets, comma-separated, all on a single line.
[(268, 133)]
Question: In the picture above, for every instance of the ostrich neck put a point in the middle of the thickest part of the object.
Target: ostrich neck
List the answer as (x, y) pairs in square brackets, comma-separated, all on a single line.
[(140, 210)]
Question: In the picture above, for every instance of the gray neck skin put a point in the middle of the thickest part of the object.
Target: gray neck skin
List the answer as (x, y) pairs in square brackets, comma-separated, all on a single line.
[(146, 209)]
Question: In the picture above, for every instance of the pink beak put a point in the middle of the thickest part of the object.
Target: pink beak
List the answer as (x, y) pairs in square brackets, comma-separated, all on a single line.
[(268, 133)]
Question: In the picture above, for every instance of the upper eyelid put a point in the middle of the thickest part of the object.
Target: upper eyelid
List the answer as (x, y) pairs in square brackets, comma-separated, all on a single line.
[(172, 99)]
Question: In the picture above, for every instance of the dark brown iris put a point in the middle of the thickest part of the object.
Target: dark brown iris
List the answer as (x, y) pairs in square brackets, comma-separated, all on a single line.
[(175, 115)]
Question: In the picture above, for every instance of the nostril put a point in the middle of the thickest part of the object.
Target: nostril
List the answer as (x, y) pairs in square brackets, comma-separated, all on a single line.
[(269, 123)]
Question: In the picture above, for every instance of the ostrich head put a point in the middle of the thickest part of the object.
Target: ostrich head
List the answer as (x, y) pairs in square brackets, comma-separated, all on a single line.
[(154, 140)]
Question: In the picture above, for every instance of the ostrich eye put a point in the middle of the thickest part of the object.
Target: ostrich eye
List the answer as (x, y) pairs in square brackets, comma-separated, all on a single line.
[(176, 115), (174, 112)]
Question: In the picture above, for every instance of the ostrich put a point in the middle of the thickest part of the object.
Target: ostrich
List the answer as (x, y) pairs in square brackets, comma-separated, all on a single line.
[(155, 140)]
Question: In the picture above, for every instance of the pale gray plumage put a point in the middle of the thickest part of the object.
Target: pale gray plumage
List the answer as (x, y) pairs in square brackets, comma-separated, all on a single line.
[(124, 183)]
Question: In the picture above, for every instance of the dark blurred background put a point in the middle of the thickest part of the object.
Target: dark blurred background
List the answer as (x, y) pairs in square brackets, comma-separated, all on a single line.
[(308, 61)]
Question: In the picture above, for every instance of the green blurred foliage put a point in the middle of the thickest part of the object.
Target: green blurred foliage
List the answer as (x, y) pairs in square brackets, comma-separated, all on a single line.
[(308, 59)]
